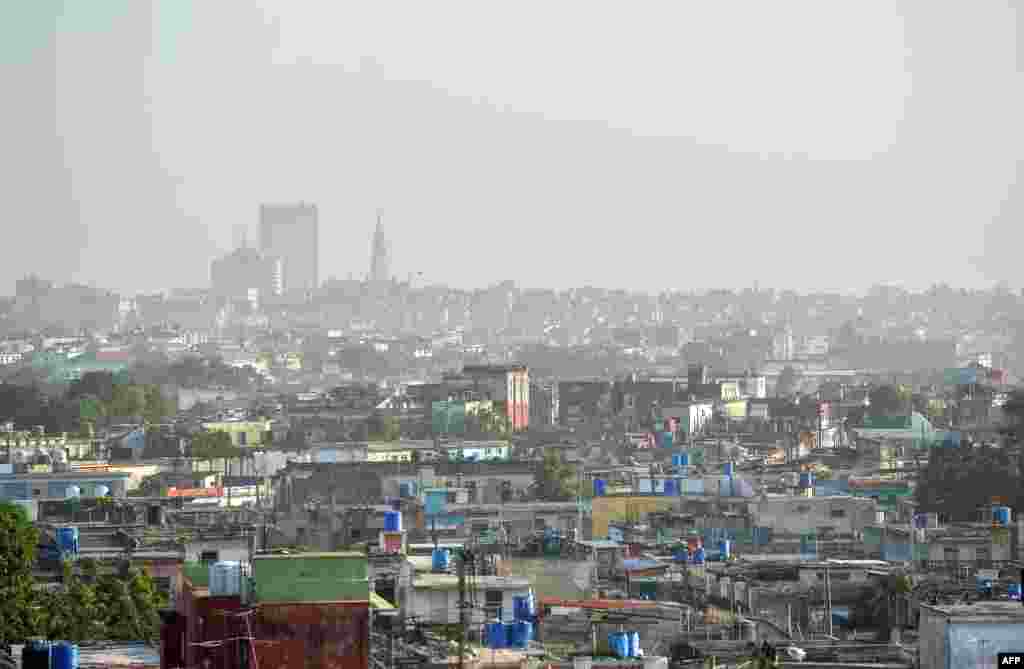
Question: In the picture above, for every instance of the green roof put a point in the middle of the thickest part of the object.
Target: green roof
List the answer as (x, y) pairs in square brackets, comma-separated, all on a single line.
[(197, 573), (312, 577)]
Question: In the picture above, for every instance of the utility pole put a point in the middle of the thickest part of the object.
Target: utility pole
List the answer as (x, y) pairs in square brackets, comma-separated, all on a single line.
[(461, 567), (828, 599)]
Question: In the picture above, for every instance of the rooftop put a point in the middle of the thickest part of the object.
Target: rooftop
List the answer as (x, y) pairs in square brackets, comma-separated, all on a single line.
[(451, 582), (999, 612)]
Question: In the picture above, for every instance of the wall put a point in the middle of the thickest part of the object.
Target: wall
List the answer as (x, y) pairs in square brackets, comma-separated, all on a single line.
[(440, 605), (254, 431), (797, 515), (607, 509), (233, 550)]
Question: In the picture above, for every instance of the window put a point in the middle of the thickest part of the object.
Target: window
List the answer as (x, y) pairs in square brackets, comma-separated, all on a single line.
[(493, 603), (242, 438), (839, 513), (208, 556)]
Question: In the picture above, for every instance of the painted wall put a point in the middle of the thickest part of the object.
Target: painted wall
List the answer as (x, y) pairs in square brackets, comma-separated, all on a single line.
[(441, 605), (243, 433), (608, 509)]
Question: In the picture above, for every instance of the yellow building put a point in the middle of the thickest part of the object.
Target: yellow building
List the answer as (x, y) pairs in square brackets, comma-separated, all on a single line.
[(605, 510), (244, 433)]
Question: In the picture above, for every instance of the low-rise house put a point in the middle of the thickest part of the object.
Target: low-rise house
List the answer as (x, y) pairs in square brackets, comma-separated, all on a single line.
[(969, 635), (434, 598)]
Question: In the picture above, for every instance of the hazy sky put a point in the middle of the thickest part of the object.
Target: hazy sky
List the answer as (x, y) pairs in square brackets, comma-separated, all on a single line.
[(646, 145)]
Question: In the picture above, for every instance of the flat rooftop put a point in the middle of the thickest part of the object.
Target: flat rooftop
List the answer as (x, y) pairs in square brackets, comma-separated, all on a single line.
[(451, 582), (980, 612)]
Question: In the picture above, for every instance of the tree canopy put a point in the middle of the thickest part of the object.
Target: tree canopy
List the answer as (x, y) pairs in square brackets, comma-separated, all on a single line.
[(555, 478), (87, 606)]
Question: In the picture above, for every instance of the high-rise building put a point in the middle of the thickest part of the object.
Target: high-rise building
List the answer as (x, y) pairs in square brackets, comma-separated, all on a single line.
[(291, 232), (380, 255)]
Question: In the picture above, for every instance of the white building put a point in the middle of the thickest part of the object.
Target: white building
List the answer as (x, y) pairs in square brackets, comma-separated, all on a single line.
[(434, 598)]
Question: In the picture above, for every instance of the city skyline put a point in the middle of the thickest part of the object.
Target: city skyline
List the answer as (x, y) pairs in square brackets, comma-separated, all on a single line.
[(857, 154)]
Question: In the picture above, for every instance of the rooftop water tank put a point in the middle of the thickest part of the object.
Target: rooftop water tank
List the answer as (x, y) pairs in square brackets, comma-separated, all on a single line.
[(101, 491), (72, 492), (225, 579), (64, 655)]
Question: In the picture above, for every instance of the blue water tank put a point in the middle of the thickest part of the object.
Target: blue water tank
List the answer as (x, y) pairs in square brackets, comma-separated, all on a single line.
[(698, 557), (405, 489), (807, 480), (518, 634), (728, 469), (64, 655), (523, 607), (496, 635), (984, 585), (1001, 515), (599, 486), (36, 655), (1013, 591), (392, 521), (634, 644), (440, 560), (618, 642), (67, 540), (724, 549), (671, 489)]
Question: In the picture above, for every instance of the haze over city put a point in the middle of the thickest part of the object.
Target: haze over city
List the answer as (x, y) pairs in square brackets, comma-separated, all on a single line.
[(664, 146)]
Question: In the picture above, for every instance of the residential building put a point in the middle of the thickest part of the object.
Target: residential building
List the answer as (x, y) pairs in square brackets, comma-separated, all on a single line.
[(248, 433), (434, 598), (583, 400), (969, 635), (506, 385), (291, 232)]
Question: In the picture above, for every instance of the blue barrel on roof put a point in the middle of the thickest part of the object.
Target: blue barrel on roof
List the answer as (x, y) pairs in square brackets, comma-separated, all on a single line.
[(807, 480), (634, 644), (619, 644), (671, 489), (392, 521), (496, 637), (67, 540), (523, 607), (519, 634), (1013, 591), (599, 488), (64, 655), (728, 469), (1001, 515), (724, 549), (699, 556), (439, 560)]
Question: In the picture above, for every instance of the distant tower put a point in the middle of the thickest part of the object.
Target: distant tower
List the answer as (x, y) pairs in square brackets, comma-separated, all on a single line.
[(380, 258)]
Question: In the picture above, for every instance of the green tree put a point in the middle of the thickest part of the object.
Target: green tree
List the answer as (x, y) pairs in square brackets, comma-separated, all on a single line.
[(555, 478), (73, 611), (19, 617), (210, 445), (155, 406), (128, 401)]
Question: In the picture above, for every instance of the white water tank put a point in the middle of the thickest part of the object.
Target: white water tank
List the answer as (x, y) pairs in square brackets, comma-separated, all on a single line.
[(225, 579), (73, 492), (101, 491)]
